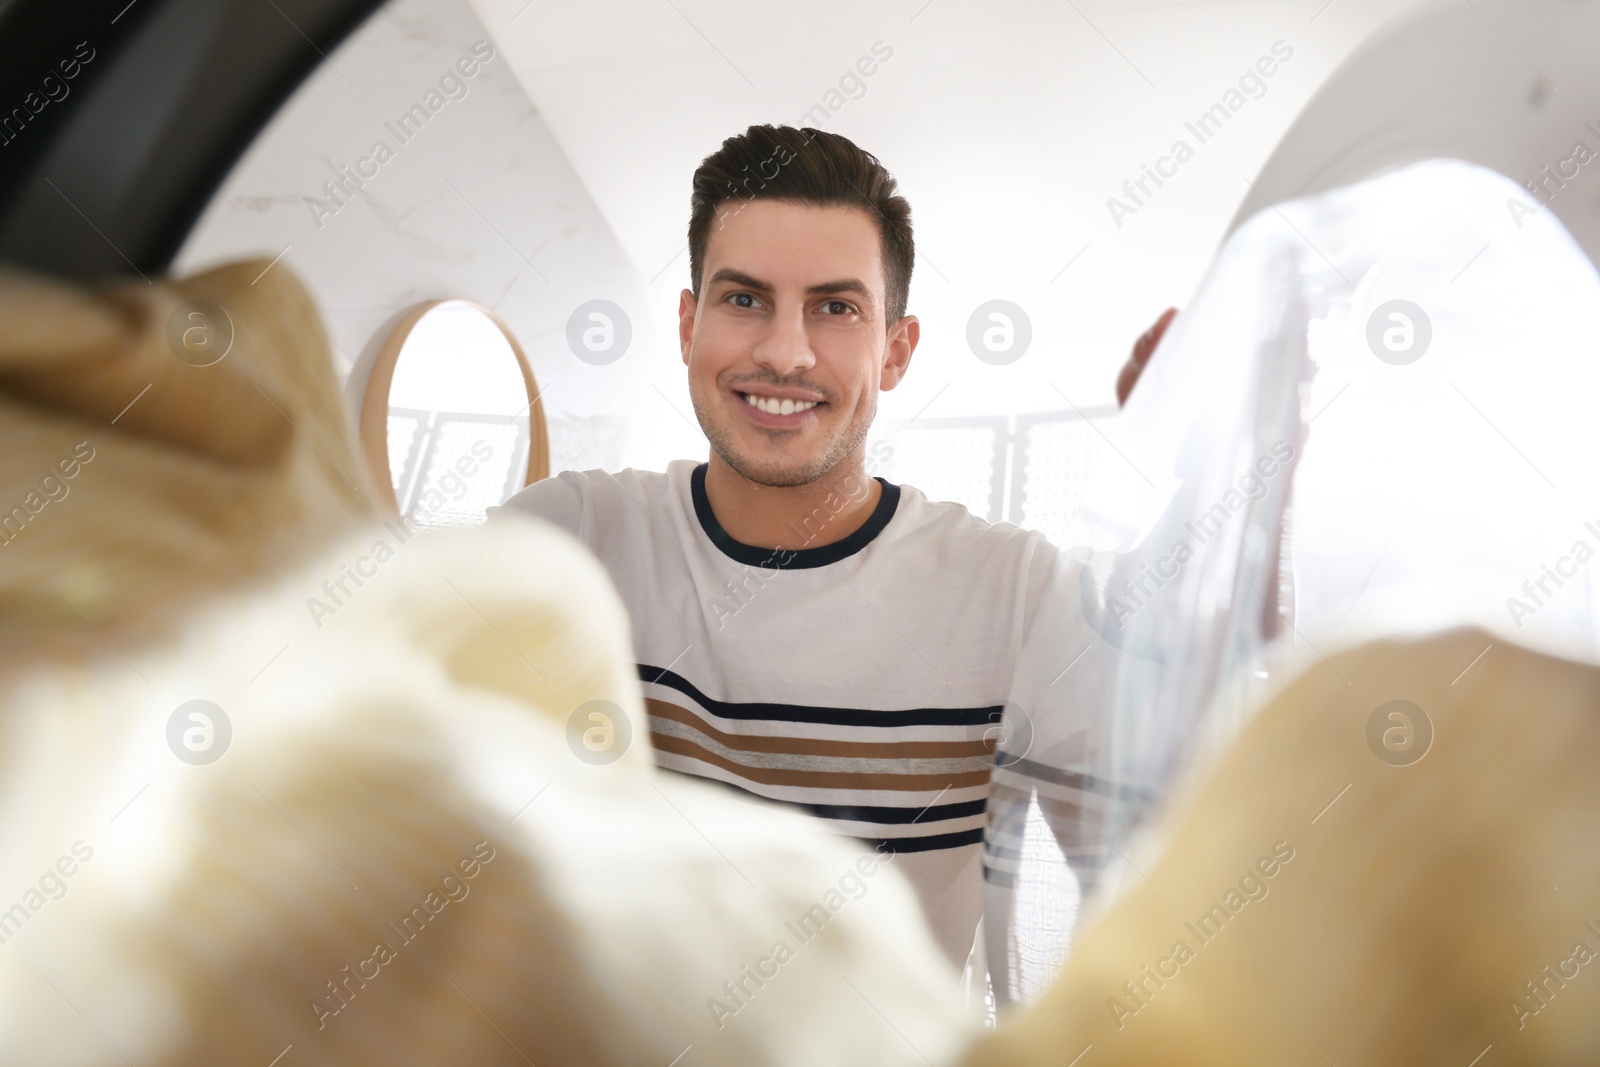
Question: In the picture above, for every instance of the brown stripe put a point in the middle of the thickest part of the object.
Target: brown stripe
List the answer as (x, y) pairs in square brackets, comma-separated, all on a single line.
[(817, 746), (819, 779)]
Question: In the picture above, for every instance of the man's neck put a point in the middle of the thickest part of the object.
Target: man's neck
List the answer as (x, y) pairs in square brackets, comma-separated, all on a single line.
[(794, 517)]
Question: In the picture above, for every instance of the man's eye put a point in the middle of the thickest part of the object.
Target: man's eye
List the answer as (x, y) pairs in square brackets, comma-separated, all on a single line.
[(838, 307), (736, 297)]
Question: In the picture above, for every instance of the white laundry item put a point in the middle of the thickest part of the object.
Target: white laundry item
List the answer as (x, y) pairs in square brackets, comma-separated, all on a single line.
[(399, 858), (1375, 417)]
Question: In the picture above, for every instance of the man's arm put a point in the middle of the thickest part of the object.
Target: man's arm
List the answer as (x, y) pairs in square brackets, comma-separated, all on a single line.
[(1143, 349), (1054, 750), (558, 500), (1060, 743)]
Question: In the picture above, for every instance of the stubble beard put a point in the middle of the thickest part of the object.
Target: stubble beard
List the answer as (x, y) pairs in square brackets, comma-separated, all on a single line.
[(779, 473)]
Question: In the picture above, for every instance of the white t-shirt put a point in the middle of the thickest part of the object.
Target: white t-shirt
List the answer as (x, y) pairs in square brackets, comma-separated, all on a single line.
[(863, 680)]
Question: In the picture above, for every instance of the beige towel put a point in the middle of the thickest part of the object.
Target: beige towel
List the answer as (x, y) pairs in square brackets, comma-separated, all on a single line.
[(1381, 914), (407, 851), (133, 481)]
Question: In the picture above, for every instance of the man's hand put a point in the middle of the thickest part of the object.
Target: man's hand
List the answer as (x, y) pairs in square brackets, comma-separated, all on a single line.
[(1143, 349)]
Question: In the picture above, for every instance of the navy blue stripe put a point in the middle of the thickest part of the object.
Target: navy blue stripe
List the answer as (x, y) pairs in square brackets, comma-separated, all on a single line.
[(1000, 878), (989, 716), (898, 845), (786, 558), (1084, 783), (898, 816)]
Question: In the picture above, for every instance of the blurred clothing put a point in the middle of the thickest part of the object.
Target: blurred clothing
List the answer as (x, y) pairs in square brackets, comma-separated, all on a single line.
[(866, 681), (386, 835), (1305, 900), (202, 478)]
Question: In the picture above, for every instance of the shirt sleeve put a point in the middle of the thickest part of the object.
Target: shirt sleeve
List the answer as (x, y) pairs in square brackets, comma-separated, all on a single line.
[(1053, 758), (558, 500)]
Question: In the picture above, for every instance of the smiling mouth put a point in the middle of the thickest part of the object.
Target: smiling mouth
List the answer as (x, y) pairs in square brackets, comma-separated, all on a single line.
[(774, 406)]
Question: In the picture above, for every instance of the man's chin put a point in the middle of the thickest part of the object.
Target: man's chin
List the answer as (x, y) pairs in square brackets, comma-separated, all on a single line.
[(777, 475), (782, 460), (777, 472)]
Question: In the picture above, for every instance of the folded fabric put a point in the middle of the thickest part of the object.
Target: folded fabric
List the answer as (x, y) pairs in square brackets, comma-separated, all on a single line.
[(160, 444), (408, 852), (282, 782)]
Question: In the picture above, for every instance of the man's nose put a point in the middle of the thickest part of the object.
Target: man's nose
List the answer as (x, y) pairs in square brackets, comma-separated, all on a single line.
[(785, 347)]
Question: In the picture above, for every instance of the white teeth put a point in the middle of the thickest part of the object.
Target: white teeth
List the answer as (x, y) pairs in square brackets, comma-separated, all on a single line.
[(774, 406)]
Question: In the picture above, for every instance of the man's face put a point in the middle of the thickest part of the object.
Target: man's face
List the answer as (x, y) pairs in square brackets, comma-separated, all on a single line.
[(787, 347)]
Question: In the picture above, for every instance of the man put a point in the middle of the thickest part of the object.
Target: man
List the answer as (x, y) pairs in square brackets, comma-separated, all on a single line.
[(804, 632)]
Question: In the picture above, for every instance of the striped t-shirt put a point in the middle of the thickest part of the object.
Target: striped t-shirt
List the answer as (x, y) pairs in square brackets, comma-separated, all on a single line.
[(862, 680)]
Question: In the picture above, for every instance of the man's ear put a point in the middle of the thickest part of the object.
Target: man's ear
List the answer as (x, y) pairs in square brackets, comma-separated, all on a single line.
[(686, 310), (897, 352)]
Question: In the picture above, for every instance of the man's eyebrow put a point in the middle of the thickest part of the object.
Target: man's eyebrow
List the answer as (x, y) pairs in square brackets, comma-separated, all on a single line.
[(841, 285), (739, 277)]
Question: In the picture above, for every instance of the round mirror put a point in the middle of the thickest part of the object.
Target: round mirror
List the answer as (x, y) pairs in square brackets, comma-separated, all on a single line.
[(451, 422)]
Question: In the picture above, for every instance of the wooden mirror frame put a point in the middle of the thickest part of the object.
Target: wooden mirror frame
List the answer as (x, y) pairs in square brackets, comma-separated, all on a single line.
[(375, 402)]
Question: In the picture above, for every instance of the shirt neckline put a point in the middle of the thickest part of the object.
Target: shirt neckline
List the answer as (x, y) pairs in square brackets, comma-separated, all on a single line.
[(791, 558)]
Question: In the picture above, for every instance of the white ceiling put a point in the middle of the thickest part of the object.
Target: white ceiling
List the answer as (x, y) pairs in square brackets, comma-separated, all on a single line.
[(1008, 124)]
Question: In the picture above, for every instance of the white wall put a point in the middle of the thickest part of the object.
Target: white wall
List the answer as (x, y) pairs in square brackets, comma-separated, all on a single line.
[(1009, 124), (480, 203)]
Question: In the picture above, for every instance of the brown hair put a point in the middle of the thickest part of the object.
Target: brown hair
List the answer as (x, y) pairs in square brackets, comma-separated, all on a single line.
[(806, 166)]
